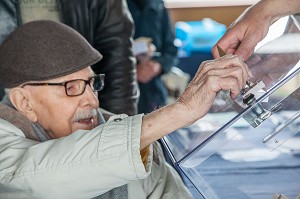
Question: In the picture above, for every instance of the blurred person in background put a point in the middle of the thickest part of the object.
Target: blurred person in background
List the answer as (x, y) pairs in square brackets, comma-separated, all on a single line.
[(152, 23)]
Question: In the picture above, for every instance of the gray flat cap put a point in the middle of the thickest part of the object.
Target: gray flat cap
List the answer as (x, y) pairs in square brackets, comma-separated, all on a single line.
[(43, 50)]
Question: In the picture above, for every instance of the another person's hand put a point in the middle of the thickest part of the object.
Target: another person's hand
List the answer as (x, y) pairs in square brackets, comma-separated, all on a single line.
[(146, 50), (253, 25), (243, 35), (147, 70)]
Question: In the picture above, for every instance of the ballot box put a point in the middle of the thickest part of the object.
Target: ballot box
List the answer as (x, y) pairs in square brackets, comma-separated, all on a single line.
[(249, 148)]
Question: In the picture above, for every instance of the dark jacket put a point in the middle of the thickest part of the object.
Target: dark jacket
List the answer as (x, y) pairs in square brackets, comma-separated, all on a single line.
[(107, 25), (152, 20)]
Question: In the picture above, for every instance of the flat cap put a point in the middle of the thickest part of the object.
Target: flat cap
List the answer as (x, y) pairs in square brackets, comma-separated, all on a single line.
[(43, 50)]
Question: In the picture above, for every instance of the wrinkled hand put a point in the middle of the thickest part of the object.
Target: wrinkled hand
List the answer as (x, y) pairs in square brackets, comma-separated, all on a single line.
[(244, 34), (147, 70), (226, 73)]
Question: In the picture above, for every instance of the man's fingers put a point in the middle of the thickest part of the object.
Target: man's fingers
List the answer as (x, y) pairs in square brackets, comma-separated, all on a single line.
[(226, 73), (231, 84), (238, 61), (232, 72), (225, 83), (227, 61)]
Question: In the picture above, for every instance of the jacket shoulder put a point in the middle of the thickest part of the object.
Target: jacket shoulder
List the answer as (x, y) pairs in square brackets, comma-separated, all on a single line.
[(8, 128)]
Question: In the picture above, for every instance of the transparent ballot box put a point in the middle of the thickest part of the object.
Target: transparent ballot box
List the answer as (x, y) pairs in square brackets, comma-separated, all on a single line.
[(249, 147)]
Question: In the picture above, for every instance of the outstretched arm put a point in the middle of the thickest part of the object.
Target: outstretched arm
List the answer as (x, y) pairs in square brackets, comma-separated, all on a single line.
[(253, 25), (226, 73)]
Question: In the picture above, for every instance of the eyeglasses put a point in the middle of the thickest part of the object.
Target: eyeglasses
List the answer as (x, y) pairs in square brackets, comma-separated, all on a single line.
[(77, 86)]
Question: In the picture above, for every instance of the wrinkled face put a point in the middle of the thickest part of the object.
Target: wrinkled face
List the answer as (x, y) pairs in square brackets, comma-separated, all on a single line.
[(61, 115)]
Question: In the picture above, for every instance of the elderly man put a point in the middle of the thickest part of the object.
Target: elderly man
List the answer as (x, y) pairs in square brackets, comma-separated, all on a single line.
[(106, 25), (54, 142)]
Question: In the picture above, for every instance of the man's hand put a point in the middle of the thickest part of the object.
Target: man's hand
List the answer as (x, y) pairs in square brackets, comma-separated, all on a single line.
[(226, 73)]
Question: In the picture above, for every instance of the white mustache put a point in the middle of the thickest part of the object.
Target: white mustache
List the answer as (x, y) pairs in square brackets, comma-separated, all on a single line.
[(85, 114)]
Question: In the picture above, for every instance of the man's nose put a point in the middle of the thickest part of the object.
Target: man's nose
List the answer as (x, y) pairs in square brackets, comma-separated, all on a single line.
[(90, 97)]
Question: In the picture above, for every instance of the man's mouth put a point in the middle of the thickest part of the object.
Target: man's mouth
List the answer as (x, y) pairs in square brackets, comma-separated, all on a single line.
[(86, 121)]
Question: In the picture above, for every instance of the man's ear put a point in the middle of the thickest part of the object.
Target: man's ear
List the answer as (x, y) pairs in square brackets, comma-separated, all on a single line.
[(19, 97)]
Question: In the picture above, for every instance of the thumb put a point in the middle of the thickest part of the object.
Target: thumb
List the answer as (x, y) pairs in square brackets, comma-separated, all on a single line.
[(247, 46)]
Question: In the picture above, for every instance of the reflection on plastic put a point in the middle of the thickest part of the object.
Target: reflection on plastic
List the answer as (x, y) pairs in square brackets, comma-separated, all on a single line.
[(234, 152), (283, 132)]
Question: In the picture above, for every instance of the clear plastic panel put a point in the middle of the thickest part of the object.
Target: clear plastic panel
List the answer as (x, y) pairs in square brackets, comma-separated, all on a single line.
[(249, 147)]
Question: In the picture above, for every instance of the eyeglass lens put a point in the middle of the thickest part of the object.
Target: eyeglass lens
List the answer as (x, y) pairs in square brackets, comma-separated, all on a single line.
[(77, 87), (97, 83)]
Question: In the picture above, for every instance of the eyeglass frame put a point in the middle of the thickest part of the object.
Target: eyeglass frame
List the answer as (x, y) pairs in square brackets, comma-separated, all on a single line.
[(87, 82)]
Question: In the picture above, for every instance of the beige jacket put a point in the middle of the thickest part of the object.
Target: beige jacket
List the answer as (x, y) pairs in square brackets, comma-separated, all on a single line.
[(85, 164)]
